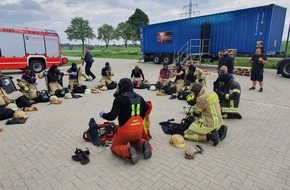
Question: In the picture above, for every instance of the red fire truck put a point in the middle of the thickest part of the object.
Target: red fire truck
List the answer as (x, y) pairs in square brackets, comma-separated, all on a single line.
[(37, 48)]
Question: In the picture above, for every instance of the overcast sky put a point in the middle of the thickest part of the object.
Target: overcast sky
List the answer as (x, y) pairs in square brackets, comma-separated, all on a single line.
[(57, 14)]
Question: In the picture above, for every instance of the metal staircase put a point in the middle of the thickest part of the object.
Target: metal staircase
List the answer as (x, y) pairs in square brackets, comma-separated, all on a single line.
[(192, 49)]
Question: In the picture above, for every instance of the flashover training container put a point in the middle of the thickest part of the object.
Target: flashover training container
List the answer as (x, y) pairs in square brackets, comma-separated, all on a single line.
[(239, 29)]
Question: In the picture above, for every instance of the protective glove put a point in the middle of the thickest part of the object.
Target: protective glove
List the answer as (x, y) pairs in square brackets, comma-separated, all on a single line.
[(74, 73), (107, 71), (36, 83), (101, 114), (189, 153), (45, 73)]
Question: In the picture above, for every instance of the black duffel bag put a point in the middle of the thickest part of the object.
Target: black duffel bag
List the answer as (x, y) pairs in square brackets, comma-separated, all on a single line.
[(79, 89), (23, 101)]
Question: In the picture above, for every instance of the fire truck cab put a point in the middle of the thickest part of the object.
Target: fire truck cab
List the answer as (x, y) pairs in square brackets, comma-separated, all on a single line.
[(37, 48)]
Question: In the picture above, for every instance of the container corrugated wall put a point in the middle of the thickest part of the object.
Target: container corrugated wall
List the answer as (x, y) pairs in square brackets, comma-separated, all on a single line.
[(239, 29)]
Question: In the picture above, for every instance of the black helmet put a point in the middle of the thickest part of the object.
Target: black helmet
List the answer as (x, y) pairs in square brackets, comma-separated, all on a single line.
[(124, 85), (225, 78), (196, 89)]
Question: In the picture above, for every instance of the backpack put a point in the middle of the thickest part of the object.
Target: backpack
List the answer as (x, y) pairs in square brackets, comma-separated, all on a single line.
[(42, 96), (98, 134)]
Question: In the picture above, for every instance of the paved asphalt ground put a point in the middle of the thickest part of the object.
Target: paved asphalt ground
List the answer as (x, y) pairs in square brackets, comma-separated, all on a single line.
[(254, 155)]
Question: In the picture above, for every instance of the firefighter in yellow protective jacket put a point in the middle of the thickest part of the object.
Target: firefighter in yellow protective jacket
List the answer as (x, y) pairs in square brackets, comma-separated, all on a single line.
[(5, 99), (208, 125), (75, 78), (194, 75), (54, 78), (28, 83), (107, 74)]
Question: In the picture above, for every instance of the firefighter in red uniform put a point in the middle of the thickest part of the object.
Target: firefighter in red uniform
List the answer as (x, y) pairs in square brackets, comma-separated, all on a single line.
[(130, 108)]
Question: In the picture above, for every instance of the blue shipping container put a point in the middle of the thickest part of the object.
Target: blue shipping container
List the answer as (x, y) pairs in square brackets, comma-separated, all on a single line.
[(240, 29)]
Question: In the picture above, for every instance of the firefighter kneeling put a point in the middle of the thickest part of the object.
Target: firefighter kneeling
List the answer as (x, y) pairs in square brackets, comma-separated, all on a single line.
[(131, 109), (229, 96), (208, 125)]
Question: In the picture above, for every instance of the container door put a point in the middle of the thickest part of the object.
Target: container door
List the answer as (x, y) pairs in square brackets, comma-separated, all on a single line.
[(205, 37), (11, 44)]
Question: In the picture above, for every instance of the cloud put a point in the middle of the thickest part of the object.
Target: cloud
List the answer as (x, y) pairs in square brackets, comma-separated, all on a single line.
[(20, 12), (56, 14)]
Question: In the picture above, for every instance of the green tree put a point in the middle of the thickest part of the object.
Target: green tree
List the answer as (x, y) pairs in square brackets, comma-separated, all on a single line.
[(138, 20), (106, 33), (125, 31), (79, 29)]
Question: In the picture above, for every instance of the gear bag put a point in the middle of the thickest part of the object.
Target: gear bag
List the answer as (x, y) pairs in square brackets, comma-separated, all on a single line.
[(112, 85), (98, 134), (61, 92), (176, 128), (42, 96), (79, 89), (23, 101), (6, 113)]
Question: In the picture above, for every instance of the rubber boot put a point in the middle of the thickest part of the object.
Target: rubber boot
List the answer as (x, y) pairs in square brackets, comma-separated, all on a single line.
[(133, 155), (213, 136), (147, 150), (223, 132)]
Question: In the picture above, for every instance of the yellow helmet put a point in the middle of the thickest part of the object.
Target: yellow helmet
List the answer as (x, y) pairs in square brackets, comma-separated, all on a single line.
[(68, 96), (177, 141), (20, 115)]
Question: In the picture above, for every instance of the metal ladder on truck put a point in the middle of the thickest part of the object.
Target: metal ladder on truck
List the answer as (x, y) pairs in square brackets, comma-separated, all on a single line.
[(191, 50)]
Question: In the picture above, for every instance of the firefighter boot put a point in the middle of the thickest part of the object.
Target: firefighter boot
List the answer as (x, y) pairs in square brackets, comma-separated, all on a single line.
[(133, 155), (147, 150), (223, 132), (213, 136)]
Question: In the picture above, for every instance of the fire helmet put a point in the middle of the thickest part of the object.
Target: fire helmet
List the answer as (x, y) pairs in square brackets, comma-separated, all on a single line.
[(177, 141), (20, 115)]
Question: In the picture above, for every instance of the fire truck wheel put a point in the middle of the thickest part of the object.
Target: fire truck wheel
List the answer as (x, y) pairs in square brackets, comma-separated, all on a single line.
[(37, 66)]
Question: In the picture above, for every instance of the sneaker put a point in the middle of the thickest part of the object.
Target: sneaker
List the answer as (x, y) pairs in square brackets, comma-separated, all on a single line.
[(133, 155), (223, 132), (147, 150), (214, 137), (261, 90), (252, 88)]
